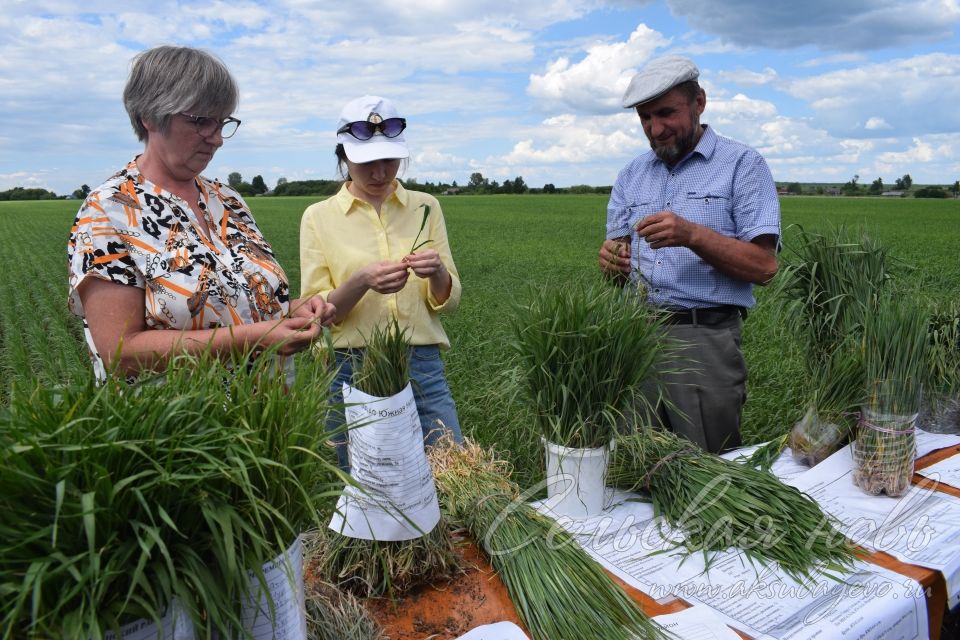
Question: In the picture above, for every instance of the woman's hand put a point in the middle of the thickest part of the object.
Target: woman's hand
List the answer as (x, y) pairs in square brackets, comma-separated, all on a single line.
[(290, 335), (314, 308), (385, 276), (427, 264), (424, 263)]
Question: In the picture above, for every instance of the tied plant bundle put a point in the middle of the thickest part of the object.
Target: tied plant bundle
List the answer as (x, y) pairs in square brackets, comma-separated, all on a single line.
[(585, 350), (895, 344), (369, 568), (119, 499), (718, 504), (559, 592)]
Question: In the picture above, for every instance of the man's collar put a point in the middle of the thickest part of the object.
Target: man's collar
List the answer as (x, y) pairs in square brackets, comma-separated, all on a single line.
[(705, 147)]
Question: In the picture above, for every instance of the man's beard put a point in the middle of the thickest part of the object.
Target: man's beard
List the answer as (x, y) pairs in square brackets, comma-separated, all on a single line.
[(672, 154)]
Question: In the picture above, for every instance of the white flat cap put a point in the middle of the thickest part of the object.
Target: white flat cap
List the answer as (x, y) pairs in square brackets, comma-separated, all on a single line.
[(657, 77)]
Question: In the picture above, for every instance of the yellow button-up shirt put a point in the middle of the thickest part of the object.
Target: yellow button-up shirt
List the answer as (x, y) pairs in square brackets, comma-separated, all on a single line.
[(343, 234)]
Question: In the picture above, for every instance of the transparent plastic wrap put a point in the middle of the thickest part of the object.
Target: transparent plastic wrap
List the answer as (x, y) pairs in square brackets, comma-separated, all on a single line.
[(813, 439), (884, 452)]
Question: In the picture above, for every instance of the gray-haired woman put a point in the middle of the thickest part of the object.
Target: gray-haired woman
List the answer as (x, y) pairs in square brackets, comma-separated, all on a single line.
[(163, 260)]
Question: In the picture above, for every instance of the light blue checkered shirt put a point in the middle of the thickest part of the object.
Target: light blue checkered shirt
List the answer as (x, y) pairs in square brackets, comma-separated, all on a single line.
[(721, 184)]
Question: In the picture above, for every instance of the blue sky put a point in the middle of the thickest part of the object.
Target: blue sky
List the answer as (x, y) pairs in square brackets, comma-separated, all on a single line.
[(824, 89)]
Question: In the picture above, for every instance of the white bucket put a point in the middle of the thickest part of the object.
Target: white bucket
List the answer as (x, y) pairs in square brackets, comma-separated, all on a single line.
[(576, 480)]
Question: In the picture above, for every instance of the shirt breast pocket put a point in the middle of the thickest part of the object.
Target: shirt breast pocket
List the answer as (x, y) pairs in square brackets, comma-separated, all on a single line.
[(639, 211), (711, 210)]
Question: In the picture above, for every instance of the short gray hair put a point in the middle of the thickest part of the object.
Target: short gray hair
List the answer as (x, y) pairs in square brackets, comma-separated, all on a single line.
[(168, 80)]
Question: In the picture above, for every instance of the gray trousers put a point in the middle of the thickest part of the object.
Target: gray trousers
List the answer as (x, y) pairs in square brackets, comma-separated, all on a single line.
[(706, 385)]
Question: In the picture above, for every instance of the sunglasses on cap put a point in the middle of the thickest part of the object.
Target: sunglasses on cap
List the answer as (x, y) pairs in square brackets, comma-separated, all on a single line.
[(364, 129)]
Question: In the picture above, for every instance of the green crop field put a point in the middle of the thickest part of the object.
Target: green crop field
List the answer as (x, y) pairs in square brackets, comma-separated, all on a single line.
[(502, 245)]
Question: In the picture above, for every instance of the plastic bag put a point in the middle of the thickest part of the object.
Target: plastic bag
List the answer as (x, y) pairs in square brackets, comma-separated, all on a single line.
[(812, 439)]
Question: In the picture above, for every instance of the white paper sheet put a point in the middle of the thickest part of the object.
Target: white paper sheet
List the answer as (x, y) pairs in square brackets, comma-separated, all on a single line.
[(284, 577), (946, 471), (783, 467), (496, 631), (928, 442), (761, 601), (696, 623), (921, 527), (387, 459), (176, 625)]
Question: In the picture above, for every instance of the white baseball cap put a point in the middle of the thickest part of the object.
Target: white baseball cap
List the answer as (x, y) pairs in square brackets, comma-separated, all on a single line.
[(657, 77), (374, 110)]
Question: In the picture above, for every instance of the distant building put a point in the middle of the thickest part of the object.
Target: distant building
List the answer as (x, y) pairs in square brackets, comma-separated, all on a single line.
[(451, 192), (892, 194)]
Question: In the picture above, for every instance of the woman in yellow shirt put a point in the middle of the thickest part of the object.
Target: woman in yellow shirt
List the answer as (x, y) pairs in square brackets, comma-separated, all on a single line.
[(356, 251)]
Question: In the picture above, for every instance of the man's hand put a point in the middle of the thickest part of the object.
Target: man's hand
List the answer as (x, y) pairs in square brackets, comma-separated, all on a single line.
[(615, 257), (666, 229)]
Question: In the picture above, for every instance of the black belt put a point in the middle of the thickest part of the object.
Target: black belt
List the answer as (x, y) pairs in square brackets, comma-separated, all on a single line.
[(706, 316)]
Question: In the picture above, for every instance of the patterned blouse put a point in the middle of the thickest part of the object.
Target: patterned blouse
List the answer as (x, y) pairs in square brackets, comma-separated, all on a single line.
[(132, 232)]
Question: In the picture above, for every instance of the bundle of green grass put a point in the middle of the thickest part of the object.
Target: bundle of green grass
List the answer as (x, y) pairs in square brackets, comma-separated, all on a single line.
[(559, 591), (719, 504), (119, 499)]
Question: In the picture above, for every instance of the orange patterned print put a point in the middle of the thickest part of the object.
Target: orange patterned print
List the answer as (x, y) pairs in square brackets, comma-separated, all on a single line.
[(132, 232)]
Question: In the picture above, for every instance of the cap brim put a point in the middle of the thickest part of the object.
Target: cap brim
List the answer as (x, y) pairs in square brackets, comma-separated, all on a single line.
[(376, 148)]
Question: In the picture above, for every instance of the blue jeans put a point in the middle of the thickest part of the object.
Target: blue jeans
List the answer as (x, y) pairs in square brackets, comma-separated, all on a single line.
[(430, 391)]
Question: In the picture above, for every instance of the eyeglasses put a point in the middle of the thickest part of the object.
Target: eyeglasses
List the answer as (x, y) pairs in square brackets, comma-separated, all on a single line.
[(206, 125), (364, 130)]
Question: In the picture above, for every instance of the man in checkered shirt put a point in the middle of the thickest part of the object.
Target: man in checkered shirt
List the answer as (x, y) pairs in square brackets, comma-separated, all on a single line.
[(695, 222)]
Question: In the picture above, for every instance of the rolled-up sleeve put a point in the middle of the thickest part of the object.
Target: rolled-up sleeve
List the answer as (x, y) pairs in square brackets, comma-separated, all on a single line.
[(438, 233)]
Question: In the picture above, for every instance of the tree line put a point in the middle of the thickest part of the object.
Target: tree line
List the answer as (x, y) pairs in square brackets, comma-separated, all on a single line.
[(853, 187), (479, 185), (476, 185)]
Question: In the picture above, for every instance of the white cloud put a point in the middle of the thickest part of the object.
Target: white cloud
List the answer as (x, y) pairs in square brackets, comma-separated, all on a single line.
[(26, 179), (747, 77), (596, 83), (839, 58), (233, 14), (874, 124), (920, 152), (911, 95)]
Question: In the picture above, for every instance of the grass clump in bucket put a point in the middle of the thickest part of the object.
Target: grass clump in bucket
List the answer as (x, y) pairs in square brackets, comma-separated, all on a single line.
[(720, 504), (120, 498), (559, 592), (585, 350), (369, 568)]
